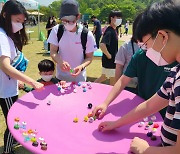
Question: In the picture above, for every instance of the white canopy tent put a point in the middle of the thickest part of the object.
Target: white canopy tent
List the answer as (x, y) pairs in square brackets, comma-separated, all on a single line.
[(32, 5)]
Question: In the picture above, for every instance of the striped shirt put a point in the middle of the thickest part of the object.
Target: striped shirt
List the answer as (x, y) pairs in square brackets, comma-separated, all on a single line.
[(171, 91)]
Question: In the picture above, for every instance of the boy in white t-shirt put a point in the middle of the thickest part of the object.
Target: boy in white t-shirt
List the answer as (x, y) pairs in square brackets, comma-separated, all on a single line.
[(68, 52)]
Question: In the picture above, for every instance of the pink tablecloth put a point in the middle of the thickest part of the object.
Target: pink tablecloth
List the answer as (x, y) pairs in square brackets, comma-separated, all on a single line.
[(55, 122)]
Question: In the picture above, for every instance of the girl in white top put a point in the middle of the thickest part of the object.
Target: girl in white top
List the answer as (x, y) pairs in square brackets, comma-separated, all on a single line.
[(13, 37)]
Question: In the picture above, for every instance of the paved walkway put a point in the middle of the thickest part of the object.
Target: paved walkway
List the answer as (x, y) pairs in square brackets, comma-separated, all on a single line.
[(125, 38)]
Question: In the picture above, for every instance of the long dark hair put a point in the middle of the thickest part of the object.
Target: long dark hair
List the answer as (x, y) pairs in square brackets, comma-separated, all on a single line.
[(48, 22), (10, 8)]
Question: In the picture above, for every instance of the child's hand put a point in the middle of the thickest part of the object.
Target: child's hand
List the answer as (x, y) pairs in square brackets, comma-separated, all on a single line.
[(107, 126), (99, 111), (65, 67), (38, 86), (62, 83), (20, 84), (77, 71), (138, 146)]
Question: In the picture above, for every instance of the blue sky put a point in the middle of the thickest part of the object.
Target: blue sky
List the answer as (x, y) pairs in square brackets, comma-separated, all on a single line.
[(45, 2)]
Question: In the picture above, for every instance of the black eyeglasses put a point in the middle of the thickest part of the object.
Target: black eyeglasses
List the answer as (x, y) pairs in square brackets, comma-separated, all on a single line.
[(143, 45), (68, 22)]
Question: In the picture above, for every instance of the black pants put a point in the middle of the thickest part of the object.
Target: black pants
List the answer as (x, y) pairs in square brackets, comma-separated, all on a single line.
[(126, 31), (97, 37), (6, 104), (48, 46)]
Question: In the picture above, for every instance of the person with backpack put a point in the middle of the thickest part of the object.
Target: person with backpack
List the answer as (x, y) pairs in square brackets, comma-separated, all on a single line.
[(97, 30), (109, 47), (71, 44)]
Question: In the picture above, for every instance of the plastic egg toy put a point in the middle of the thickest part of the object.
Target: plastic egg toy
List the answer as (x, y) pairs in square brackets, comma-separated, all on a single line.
[(75, 120), (153, 118), (16, 119), (145, 119), (155, 126), (86, 118), (90, 115), (141, 124), (91, 119), (33, 139)]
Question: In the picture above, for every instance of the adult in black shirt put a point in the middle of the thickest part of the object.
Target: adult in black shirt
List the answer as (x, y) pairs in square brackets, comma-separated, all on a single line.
[(109, 47), (96, 30), (50, 24)]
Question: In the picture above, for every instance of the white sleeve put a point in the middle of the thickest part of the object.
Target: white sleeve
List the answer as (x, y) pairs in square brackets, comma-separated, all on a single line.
[(5, 48), (121, 55), (91, 44), (53, 36)]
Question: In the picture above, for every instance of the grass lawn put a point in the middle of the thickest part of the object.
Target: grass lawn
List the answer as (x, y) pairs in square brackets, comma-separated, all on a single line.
[(35, 53)]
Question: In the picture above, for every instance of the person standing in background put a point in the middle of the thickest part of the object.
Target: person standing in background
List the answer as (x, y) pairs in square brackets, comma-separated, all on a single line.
[(126, 27), (109, 47), (50, 24), (96, 30)]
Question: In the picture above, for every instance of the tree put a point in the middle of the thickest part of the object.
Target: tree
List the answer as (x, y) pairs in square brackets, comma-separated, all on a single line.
[(104, 14), (55, 7), (102, 8)]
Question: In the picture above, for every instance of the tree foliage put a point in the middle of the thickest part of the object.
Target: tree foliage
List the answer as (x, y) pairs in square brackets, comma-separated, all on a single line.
[(101, 8)]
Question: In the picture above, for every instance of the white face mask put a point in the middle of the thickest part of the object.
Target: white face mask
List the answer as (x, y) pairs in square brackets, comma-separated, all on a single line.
[(69, 27), (155, 56), (118, 22), (46, 77), (16, 26)]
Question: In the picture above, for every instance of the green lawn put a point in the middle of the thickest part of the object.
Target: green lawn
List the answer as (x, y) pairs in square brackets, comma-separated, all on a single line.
[(35, 53), (43, 25)]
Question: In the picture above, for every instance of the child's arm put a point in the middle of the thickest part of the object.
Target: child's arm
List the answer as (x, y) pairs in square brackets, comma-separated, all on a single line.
[(118, 71), (116, 90), (12, 72), (141, 146), (152, 105)]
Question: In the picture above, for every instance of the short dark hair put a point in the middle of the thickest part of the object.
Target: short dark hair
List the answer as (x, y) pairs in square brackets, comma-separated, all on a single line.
[(93, 16), (46, 65), (10, 8), (114, 14), (160, 15), (135, 23)]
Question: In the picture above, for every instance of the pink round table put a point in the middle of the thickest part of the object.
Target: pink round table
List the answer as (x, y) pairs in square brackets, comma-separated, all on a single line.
[(55, 123)]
